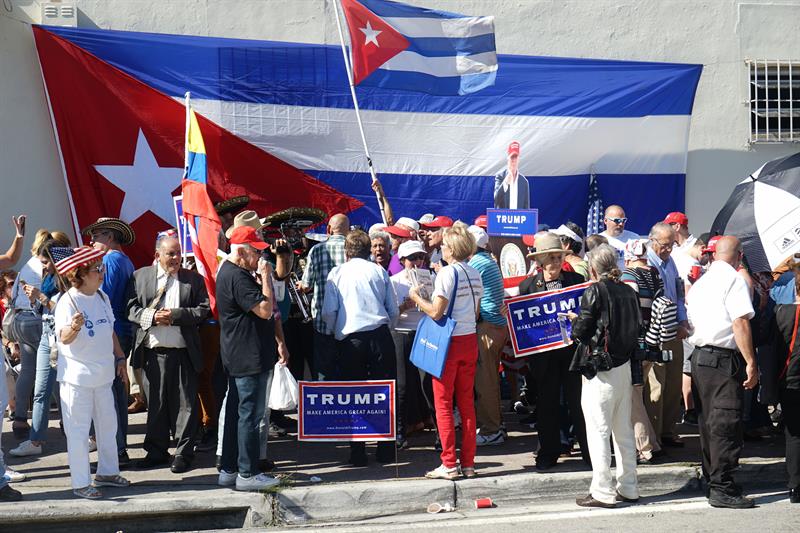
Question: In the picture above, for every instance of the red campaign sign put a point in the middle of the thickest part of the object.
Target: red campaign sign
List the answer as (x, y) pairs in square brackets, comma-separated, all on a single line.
[(122, 147)]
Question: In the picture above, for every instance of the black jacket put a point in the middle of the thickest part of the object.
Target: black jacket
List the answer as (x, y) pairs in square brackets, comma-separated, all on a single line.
[(624, 319), (535, 283), (785, 329)]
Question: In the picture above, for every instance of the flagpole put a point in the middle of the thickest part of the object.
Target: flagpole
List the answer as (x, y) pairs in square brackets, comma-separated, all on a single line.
[(347, 67), (187, 98)]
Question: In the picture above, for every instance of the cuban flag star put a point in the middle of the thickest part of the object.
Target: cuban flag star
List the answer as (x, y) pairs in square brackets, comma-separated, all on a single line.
[(412, 48)]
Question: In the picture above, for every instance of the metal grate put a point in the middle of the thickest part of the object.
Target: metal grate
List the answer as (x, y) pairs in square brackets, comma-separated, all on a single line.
[(774, 101)]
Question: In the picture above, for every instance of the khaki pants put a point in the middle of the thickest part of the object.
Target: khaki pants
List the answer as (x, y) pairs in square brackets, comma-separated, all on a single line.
[(663, 392), (491, 340), (645, 436)]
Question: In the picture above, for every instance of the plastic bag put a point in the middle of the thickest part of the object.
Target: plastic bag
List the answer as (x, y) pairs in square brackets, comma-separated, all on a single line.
[(284, 391)]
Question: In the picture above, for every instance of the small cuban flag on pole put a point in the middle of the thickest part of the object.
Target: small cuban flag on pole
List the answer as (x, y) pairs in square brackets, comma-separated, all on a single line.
[(411, 48)]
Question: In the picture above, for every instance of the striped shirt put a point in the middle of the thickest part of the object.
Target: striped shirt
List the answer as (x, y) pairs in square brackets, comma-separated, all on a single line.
[(492, 279), (647, 284), (321, 260)]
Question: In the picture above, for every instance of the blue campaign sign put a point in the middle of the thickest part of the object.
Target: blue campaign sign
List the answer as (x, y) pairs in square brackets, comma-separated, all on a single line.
[(346, 411), (534, 324), (180, 225), (512, 222)]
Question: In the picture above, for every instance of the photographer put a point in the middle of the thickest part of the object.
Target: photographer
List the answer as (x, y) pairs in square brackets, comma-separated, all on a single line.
[(608, 326)]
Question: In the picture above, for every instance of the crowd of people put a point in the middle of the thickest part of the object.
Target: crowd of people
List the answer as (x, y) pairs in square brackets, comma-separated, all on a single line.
[(675, 328)]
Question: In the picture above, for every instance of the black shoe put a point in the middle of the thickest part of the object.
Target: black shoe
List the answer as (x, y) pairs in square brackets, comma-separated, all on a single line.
[(402, 442), (281, 420), (150, 462), (794, 495), (358, 459), (208, 441), (124, 460), (218, 463), (690, 417), (276, 431), (180, 465), (718, 499), (672, 442), (621, 498), (543, 464), (588, 501), (265, 465), (7, 494)]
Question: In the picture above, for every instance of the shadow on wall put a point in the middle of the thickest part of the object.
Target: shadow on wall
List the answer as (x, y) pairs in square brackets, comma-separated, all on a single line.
[(711, 176)]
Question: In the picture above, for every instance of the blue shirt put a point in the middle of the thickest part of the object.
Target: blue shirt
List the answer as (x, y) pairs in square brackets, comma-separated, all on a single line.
[(358, 297), (783, 290), (492, 279), (119, 270), (673, 283)]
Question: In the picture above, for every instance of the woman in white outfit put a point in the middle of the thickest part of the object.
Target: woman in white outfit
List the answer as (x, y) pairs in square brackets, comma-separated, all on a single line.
[(608, 323), (89, 354)]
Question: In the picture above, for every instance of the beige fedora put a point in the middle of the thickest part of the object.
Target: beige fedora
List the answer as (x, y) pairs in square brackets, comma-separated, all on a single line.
[(245, 218), (547, 243)]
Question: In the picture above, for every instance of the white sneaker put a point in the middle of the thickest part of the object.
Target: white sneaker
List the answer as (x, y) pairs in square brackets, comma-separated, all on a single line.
[(25, 449), (255, 483), (493, 439), (227, 479), (12, 476), (442, 472), (92, 445)]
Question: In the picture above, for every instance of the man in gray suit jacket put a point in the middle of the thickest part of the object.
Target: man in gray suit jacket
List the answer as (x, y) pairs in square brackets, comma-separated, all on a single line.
[(167, 303), (511, 189)]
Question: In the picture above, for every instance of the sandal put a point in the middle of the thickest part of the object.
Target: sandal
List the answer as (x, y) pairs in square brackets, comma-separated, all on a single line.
[(88, 492), (110, 481), (442, 472), (469, 472)]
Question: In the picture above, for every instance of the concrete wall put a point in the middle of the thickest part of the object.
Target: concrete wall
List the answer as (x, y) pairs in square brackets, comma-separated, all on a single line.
[(717, 33)]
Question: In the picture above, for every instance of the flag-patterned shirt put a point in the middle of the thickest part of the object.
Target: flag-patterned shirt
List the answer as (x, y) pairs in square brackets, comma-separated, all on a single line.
[(321, 260)]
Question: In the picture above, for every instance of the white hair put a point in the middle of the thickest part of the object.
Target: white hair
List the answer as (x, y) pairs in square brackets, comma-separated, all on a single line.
[(378, 234), (237, 248)]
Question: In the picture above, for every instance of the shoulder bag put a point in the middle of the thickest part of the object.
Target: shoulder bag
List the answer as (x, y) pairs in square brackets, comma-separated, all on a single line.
[(11, 314), (432, 340)]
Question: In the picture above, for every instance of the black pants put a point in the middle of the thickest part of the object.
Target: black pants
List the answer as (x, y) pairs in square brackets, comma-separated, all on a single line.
[(326, 358), (368, 355), (552, 376), (300, 341), (409, 386), (172, 402), (717, 391), (790, 405)]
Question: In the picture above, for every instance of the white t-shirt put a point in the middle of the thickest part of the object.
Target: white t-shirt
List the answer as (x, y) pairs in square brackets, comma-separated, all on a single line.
[(715, 301), (30, 273), (408, 320), (466, 301), (88, 361), (619, 243)]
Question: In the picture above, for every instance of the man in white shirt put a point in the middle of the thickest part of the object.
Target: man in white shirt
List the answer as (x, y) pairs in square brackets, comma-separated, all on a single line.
[(359, 306), (615, 232), (511, 189), (168, 303), (723, 365)]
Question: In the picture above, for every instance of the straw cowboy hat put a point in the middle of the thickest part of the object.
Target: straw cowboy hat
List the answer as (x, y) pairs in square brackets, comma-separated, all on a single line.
[(128, 237), (245, 218), (231, 204), (547, 243)]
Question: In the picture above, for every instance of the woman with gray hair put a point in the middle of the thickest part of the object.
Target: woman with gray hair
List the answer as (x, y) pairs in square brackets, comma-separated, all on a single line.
[(608, 328)]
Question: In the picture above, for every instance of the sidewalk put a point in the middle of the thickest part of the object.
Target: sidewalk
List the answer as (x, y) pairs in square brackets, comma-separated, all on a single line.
[(194, 501)]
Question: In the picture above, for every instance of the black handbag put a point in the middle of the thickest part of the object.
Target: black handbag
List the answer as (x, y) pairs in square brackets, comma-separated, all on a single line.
[(588, 359)]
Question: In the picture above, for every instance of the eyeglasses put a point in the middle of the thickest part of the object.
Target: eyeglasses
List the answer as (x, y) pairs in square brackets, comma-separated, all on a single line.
[(665, 245), (618, 220), (99, 269), (415, 257)]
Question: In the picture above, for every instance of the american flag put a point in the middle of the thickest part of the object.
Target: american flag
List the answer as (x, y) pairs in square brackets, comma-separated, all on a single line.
[(79, 257), (57, 253), (594, 219)]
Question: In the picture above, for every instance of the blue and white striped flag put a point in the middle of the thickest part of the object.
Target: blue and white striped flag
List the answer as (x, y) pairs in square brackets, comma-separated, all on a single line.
[(595, 215), (411, 48)]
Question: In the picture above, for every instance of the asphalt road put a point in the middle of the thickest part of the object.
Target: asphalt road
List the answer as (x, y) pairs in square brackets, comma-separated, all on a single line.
[(681, 513)]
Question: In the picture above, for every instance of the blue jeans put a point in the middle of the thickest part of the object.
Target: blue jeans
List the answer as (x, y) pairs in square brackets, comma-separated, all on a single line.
[(42, 388), (28, 330), (244, 410)]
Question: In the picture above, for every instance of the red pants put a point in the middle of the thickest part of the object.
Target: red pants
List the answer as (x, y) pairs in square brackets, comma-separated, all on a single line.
[(459, 378)]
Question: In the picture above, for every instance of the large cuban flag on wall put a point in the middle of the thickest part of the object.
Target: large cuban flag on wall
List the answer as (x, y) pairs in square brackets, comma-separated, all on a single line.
[(279, 125)]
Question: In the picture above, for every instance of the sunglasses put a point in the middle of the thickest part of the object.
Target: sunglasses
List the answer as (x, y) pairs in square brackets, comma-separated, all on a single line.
[(99, 269), (416, 257), (618, 220)]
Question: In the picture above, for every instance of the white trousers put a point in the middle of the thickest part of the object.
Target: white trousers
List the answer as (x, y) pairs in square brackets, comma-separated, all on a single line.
[(606, 403), (79, 406)]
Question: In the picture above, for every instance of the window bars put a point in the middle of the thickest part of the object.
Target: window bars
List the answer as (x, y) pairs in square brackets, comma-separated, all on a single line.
[(774, 100)]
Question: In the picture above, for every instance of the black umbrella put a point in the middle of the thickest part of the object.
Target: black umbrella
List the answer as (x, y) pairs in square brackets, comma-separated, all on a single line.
[(764, 212)]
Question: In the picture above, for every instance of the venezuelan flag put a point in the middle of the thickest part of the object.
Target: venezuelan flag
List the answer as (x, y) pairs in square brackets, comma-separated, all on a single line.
[(198, 209)]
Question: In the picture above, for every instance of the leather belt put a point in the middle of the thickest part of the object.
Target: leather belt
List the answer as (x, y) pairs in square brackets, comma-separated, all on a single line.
[(717, 349)]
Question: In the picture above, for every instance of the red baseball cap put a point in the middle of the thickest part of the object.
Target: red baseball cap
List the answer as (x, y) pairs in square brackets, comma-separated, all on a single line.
[(247, 235), (676, 217), (482, 222), (711, 247), (438, 222), (397, 231), (513, 148), (529, 240)]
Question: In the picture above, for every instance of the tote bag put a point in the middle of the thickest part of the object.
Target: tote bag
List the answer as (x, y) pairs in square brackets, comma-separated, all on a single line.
[(429, 351)]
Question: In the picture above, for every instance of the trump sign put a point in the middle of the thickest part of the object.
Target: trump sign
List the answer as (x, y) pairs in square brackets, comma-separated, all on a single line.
[(347, 411)]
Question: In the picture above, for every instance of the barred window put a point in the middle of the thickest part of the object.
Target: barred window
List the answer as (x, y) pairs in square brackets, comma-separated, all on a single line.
[(774, 101)]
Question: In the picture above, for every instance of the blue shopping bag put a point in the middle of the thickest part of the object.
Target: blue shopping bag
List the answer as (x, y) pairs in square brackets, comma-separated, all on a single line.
[(429, 351)]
